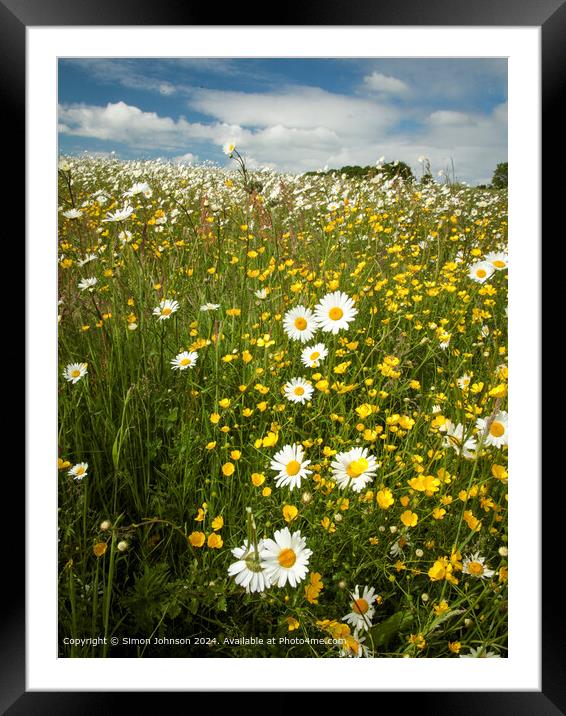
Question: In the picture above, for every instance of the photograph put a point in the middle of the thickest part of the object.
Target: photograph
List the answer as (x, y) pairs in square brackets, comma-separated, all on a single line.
[(282, 310), (282, 382)]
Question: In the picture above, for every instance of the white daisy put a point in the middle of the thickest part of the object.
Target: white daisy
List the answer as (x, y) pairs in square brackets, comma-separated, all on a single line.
[(464, 382), (335, 311), (229, 148), (286, 558), (454, 438), (300, 324), (398, 547), (247, 569), (312, 356), (362, 609), (298, 390), (100, 197), (79, 470), (261, 293), (165, 309), (75, 371), (209, 307), (73, 214), (474, 565), (497, 432), (139, 188), (498, 260), (289, 462), (184, 360), (355, 468), (125, 236), (481, 271), (87, 259), (88, 283), (119, 214), (444, 339)]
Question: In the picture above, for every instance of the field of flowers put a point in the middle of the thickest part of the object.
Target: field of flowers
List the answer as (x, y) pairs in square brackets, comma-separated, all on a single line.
[(282, 414)]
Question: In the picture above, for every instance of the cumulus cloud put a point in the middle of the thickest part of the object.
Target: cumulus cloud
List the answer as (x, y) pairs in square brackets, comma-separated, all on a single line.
[(120, 122), (296, 107), (377, 82), (187, 158), (301, 128)]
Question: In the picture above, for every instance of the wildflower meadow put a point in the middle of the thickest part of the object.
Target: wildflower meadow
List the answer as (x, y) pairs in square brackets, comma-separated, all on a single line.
[(283, 415)]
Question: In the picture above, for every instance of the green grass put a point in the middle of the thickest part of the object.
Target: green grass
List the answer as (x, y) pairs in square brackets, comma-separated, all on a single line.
[(403, 254)]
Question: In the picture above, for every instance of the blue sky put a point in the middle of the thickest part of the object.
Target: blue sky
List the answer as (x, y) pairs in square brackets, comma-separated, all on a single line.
[(289, 114)]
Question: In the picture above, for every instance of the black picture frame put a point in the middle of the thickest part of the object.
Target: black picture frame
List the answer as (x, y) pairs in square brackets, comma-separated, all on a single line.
[(550, 16)]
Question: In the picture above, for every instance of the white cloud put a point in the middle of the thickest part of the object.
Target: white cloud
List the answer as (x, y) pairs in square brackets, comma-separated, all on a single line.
[(376, 82), (187, 158), (302, 130), (155, 75), (296, 107), (166, 88), (120, 122), (448, 118), (125, 73)]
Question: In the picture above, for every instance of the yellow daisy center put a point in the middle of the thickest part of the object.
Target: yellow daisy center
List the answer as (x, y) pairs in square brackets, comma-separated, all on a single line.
[(293, 467), (360, 606), (300, 323), (166, 311), (475, 568), (79, 470), (75, 373), (184, 361), (496, 429), (335, 313), (299, 390), (287, 558), (499, 264), (481, 273), (357, 467), (315, 355)]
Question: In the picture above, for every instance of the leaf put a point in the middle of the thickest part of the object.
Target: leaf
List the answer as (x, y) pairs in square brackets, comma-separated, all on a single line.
[(443, 618), (173, 610), (382, 633), (116, 451), (172, 417)]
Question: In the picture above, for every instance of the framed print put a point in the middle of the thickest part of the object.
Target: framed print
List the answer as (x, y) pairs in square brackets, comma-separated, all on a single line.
[(267, 272)]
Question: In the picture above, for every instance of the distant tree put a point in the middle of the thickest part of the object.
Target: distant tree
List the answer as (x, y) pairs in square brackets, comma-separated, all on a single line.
[(397, 169), (389, 170), (499, 179)]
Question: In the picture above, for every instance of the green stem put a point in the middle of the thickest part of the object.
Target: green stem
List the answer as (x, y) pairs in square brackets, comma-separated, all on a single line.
[(108, 593)]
